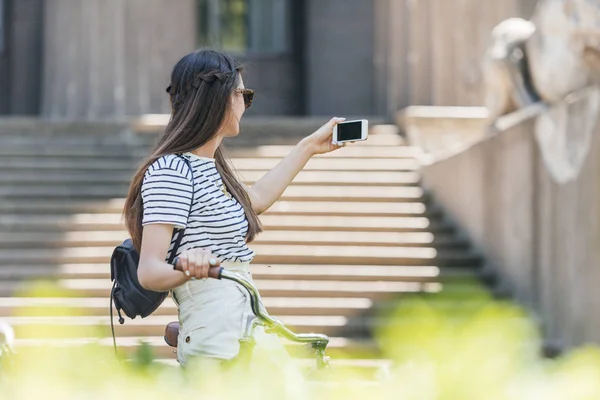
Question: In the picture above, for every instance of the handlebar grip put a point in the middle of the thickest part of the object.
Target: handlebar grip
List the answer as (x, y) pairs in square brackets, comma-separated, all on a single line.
[(213, 272)]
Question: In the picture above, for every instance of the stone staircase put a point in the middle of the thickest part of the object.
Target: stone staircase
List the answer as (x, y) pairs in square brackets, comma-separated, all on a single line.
[(353, 235)]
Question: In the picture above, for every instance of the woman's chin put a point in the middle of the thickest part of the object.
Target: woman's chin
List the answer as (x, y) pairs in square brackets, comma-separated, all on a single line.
[(233, 132)]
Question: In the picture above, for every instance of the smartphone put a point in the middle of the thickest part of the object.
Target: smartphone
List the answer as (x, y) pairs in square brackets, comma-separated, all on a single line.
[(350, 131)]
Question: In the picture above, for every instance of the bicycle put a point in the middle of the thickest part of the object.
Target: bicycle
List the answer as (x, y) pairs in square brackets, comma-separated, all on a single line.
[(317, 342), (6, 349)]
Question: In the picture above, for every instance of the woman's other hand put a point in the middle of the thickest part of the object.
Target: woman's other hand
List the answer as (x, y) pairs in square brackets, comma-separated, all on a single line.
[(195, 263)]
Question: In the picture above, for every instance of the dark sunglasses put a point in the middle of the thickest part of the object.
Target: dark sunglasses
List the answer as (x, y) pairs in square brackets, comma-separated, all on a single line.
[(247, 93), (248, 96)]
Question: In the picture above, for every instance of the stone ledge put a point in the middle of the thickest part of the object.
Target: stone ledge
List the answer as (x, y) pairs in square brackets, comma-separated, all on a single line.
[(436, 129), (442, 132)]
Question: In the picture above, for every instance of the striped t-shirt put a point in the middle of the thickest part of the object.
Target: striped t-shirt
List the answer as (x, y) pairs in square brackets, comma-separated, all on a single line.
[(216, 222)]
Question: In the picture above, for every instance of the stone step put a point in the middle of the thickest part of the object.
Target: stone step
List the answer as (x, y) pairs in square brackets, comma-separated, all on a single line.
[(72, 150), (48, 132), (339, 347), (313, 178), (106, 142), (154, 325), (35, 306), (32, 128), (388, 273), (332, 164), (295, 126), (61, 206), (268, 254), (148, 127), (292, 193), (34, 163), (367, 374), (91, 191), (375, 290), (350, 306), (32, 240), (96, 222), (364, 178), (357, 151), (120, 151), (377, 139), (115, 206), (73, 306)]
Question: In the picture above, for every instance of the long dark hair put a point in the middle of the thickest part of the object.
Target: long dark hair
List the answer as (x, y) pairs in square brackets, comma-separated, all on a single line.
[(202, 84)]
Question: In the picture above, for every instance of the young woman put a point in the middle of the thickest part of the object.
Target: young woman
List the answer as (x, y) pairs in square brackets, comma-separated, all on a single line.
[(218, 212)]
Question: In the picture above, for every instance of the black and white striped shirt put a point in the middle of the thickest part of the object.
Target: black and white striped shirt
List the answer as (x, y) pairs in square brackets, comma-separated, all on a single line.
[(216, 222)]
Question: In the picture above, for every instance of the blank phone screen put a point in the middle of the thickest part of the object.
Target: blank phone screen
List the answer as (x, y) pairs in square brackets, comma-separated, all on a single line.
[(349, 131)]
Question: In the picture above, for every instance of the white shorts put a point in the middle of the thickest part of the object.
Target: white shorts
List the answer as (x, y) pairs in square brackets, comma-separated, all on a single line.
[(213, 316)]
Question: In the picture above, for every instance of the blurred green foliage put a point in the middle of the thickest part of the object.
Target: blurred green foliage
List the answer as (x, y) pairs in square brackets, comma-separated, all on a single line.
[(448, 348)]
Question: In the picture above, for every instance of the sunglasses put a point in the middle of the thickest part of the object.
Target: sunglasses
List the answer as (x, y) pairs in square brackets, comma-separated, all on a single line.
[(248, 96), (247, 93)]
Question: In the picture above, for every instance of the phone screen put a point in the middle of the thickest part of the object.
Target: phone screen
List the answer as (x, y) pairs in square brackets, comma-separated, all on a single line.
[(349, 131)]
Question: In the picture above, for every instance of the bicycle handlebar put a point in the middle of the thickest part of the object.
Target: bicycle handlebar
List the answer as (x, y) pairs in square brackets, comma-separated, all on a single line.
[(316, 339), (214, 271)]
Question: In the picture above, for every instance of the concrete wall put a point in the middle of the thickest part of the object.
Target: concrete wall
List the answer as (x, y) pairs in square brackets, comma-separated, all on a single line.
[(541, 235)]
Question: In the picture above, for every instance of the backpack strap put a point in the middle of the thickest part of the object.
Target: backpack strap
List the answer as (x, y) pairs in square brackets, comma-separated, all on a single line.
[(181, 232), (172, 254)]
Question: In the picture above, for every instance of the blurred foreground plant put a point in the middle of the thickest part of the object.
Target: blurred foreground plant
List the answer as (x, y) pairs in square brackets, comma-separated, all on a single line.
[(444, 349)]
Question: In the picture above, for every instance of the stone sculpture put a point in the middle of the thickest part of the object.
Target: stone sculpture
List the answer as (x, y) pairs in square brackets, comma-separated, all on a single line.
[(555, 57), (547, 58)]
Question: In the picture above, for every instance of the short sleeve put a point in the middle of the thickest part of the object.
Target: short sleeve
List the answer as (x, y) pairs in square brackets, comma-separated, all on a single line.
[(167, 193)]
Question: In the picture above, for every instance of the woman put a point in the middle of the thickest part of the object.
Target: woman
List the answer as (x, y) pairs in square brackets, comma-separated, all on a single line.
[(218, 212)]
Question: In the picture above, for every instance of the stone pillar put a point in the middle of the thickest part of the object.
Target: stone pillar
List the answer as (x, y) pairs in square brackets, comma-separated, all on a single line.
[(339, 57), (391, 47), (20, 56), (107, 59)]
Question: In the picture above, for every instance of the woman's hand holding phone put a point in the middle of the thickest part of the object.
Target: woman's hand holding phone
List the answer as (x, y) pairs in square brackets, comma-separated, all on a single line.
[(320, 142)]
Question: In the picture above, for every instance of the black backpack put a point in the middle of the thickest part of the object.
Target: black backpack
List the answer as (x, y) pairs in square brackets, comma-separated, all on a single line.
[(127, 293)]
